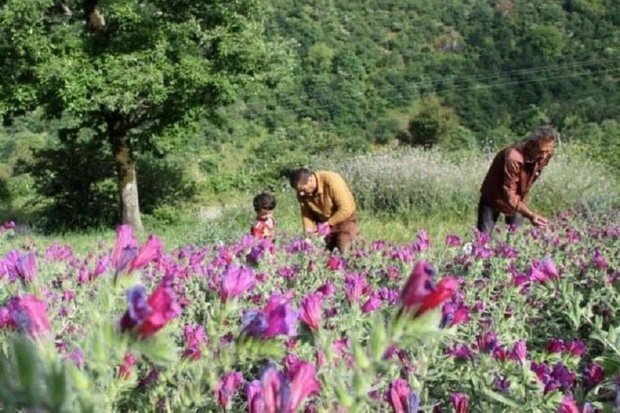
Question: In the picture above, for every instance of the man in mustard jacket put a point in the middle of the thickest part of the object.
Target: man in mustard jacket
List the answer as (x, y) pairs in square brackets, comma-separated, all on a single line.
[(325, 199)]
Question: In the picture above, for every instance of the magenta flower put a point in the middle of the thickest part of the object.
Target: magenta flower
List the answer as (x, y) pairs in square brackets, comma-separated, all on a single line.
[(555, 345), (422, 242), (226, 388), (152, 314), (486, 342), (323, 229), (275, 391), (336, 262), (599, 260), (354, 286), (195, 337), (253, 392), (420, 294), (303, 383), (576, 348), (124, 248), (236, 281), (592, 376), (400, 397), (125, 369), (150, 251), (277, 318), (568, 405), (373, 303), (29, 314), (519, 352), (549, 268), (311, 309), (452, 240), (460, 402), (26, 267)]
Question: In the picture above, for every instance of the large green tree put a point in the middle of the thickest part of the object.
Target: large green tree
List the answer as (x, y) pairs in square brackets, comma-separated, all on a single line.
[(136, 72)]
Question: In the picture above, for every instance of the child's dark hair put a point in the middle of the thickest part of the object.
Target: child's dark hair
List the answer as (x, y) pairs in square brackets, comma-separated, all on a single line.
[(264, 200)]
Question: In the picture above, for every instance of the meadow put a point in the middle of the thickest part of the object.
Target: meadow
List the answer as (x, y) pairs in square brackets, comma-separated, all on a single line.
[(423, 315)]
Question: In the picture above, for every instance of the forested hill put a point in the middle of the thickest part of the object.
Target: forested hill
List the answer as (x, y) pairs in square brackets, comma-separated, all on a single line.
[(499, 64)]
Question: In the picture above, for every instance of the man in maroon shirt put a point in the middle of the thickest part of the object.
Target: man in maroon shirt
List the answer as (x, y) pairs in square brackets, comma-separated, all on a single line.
[(510, 178)]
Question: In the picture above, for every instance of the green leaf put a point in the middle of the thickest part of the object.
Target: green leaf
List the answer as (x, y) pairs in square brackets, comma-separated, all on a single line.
[(504, 399), (57, 385)]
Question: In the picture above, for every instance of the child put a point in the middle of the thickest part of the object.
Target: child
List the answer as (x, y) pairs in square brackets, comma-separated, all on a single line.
[(264, 224)]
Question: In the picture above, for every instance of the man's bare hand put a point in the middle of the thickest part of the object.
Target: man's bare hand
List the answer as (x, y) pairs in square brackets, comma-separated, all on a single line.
[(538, 221)]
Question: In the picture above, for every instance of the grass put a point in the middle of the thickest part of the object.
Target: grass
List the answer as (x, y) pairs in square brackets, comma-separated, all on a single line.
[(399, 193)]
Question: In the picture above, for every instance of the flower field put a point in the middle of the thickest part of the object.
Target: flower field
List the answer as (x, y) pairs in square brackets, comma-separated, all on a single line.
[(526, 322)]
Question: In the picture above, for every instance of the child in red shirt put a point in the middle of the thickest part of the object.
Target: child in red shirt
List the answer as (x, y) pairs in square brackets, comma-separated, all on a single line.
[(264, 224)]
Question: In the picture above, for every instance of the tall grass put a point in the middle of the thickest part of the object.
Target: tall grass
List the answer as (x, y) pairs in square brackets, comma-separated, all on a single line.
[(432, 182)]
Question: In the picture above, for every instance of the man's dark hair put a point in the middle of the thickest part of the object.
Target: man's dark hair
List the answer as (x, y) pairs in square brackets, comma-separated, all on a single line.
[(264, 200), (299, 176)]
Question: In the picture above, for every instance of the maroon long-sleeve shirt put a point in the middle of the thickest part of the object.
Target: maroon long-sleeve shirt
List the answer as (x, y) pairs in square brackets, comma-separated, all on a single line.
[(510, 179)]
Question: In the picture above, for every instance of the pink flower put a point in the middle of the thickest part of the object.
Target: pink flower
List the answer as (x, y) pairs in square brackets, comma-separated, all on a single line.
[(576, 348), (150, 251), (303, 383), (29, 314), (568, 405), (275, 391), (26, 267), (519, 352), (125, 245), (236, 281), (549, 268), (323, 229), (151, 315), (226, 388), (335, 262), (400, 397), (460, 402), (453, 240), (420, 295), (253, 391), (195, 337), (422, 242), (125, 369), (277, 318), (310, 311), (373, 303)]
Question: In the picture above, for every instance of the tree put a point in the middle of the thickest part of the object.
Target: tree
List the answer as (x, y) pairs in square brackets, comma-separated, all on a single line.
[(135, 72)]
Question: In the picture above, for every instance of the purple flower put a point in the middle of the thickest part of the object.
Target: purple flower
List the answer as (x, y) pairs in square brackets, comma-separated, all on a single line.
[(26, 267), (124, 248), (310, 311), (303, 383), (599, 260), (592, 376), (277, 318), (568, 405), (555, 345), (236, 281), (501, 383), (453, 240), (486, 342), (374, 302), (253, 392), (400, 397), (29, 314), (460, 402), (227, 386), (576, 348), (150, 251), (549, 268), (422, 242), (195, 337), (275, 390), (354, 286)]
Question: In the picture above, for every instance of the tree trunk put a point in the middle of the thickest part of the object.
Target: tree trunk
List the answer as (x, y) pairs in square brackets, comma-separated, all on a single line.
[(126, 176)]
